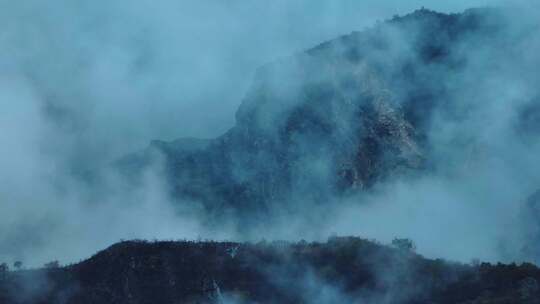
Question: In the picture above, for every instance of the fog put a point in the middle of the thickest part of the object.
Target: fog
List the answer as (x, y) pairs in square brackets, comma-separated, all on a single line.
[(83, 84)]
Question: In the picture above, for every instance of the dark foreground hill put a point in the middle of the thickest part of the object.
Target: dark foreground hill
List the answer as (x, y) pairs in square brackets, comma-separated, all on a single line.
[(342, 270)]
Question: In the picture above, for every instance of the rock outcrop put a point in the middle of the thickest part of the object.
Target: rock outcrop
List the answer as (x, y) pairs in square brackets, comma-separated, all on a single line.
[(335, 119)]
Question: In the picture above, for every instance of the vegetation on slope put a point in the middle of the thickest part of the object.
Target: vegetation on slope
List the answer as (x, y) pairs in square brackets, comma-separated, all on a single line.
[(341, 270)]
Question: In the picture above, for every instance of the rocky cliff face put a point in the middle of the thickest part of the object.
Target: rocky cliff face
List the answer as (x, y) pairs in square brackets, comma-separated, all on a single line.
[(306, 128), (335, 119)]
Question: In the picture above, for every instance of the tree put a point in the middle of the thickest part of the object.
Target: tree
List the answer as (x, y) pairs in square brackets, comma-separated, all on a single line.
[(4, 268), (52, 265), (18, 265), (404, 244)]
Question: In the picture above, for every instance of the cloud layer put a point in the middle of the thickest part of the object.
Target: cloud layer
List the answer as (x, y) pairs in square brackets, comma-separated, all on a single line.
[(84, 83)]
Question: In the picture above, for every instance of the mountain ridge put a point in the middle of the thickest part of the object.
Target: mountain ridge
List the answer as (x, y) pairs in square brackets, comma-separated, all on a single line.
[(342, 269), (333, 120)]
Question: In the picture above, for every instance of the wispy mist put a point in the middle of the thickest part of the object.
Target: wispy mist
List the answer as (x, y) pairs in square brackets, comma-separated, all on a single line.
[(82, 84)]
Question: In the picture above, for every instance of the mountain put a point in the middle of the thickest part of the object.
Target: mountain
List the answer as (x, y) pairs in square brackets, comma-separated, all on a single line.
[(341, 270), (426, 93), (530, 217), (341, 117)]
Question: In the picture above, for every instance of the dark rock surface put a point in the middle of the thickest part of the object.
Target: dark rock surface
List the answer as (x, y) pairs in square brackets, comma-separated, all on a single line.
[(337, 118), (316, 124)]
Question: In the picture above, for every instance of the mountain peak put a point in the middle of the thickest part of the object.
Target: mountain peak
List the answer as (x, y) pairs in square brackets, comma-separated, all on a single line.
[(334, 120)]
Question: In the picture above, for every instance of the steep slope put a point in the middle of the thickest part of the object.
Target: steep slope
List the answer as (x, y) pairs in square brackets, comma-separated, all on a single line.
[(342, 270), (348, 114)]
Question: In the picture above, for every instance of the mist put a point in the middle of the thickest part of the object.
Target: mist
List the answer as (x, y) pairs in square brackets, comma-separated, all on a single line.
[(83, 84)]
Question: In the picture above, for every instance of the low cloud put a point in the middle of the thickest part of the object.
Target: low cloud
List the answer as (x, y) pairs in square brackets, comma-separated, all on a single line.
[(85, 83)]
